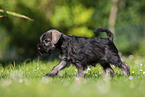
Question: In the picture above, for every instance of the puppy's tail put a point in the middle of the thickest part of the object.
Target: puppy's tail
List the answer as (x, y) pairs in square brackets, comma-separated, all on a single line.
[(108, 32)]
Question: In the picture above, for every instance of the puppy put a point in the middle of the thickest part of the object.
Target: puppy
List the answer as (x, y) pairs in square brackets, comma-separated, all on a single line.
[(82, 51)]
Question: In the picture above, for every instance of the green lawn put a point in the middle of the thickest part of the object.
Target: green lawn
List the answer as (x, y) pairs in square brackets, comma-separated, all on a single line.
[(26, 80)]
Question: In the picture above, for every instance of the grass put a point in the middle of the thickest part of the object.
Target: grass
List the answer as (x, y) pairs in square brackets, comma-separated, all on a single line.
[(26, 80)]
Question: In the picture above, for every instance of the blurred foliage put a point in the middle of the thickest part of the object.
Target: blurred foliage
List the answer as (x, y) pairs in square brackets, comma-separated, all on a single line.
[(19, 37)]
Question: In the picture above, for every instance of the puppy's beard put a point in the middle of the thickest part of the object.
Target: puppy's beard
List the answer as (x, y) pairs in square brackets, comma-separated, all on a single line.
[(46, 52)]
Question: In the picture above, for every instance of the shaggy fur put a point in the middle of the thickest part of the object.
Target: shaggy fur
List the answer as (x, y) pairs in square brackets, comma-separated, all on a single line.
[(82, 51)]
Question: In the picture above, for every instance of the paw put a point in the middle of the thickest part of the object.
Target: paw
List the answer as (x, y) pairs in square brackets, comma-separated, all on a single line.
[(49, 75)]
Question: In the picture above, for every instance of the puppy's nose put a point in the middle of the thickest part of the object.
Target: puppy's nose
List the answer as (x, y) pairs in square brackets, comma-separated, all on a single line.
[(39, 47)]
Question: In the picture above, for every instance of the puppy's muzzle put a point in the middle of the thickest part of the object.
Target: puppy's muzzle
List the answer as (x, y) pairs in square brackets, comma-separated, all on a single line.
[(44, 51), (39, 47)]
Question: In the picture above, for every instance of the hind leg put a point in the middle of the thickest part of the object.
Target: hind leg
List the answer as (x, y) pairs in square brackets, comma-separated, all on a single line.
[(123, 66), (81, 69), (114, 59), (108, 70)]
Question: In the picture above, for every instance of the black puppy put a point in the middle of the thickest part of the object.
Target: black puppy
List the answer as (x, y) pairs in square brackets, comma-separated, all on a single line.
[(82, 51)]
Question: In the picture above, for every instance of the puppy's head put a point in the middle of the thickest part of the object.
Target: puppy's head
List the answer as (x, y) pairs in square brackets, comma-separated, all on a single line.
[(48, 41)]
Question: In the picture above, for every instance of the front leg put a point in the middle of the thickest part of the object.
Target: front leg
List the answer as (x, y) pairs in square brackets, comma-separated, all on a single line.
[(108, 69), (57, 68), (81, 69)]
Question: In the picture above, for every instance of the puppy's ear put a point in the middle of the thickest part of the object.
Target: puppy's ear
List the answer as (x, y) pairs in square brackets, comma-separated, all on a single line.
[(55, 36)]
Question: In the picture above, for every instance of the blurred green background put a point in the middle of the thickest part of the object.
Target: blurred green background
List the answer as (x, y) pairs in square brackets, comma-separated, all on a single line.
[(19, 36)]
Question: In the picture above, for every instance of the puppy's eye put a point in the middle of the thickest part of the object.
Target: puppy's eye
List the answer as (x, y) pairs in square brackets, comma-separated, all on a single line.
[(46, 41)]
